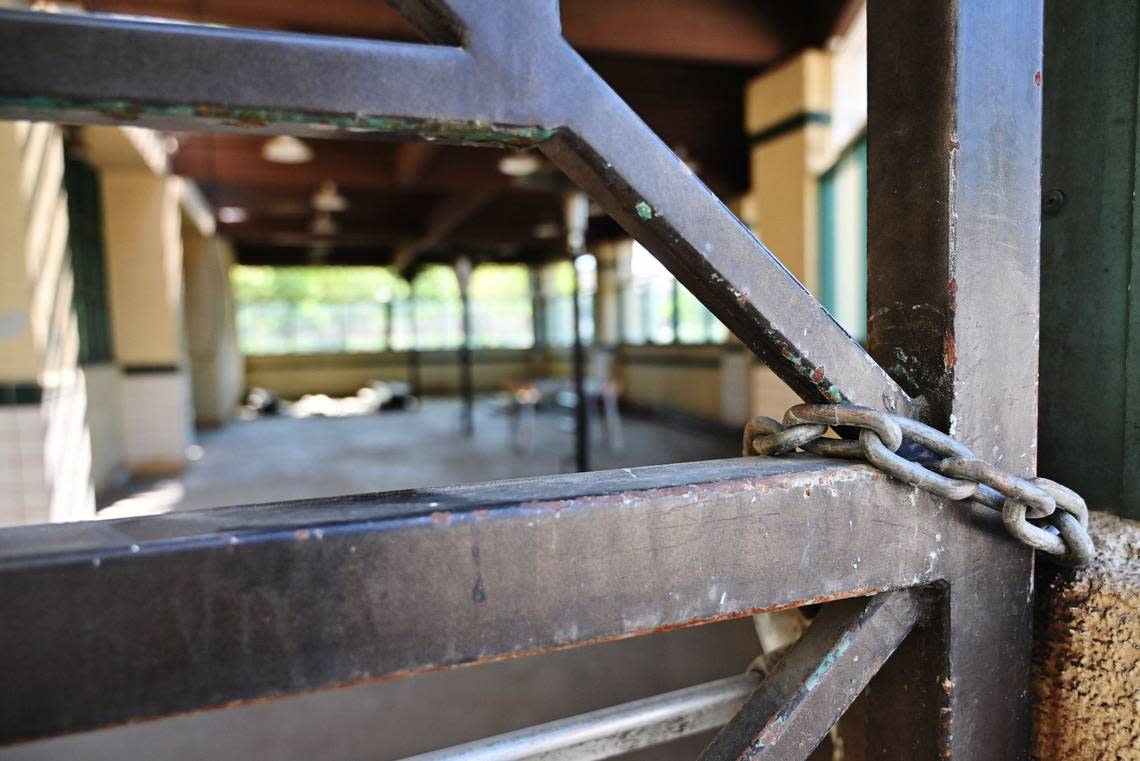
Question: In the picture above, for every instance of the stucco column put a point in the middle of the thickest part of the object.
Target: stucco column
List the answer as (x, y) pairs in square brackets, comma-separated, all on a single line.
[(216, 369), (607, 333), (142, 229)]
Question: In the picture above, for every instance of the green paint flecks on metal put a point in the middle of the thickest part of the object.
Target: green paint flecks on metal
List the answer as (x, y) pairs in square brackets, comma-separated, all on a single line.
[(644, 210), (449, 130), (826, 664)]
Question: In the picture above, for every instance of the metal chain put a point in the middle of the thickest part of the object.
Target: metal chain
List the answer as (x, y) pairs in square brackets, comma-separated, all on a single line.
[(938, 464)]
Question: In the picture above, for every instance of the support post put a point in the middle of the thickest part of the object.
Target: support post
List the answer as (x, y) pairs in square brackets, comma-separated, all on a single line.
[(414, 376), (577, 210), (466, 382), (955, 139), (389, 314), (675, 297)]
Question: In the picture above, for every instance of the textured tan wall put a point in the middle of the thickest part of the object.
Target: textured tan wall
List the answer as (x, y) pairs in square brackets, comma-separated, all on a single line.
[(142, 231), (1087, 652), (681, 378), (217, 372), (782, 206), (337, 374)]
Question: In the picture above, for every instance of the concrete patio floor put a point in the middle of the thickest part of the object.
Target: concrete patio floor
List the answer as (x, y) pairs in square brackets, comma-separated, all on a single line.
[(280, 458)]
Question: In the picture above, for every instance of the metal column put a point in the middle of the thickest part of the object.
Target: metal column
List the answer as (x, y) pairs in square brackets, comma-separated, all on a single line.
[(466, 382), (954, 216), (577, 217)]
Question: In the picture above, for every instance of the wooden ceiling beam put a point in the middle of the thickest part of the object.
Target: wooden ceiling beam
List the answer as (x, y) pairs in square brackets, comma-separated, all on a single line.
[(413, 160), (744, 32), (444, 220)]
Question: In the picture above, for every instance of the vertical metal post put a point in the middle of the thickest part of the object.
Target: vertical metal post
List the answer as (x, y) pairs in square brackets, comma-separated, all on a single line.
[(676, 321), (414, 377), (537, 306), (955, 138), (466, 382), (389, 314), (577, 213)]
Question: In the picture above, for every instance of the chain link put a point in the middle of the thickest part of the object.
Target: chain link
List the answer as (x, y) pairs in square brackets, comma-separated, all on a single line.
[(1037, 512)]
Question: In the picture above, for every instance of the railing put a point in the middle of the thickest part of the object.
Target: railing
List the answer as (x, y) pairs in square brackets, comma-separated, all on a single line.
[(114, 621)]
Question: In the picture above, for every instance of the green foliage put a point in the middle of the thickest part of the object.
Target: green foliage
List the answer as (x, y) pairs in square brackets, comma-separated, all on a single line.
[(301, 285)]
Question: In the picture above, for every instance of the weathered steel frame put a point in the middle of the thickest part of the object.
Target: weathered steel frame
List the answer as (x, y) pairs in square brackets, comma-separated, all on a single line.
[(114, 621)]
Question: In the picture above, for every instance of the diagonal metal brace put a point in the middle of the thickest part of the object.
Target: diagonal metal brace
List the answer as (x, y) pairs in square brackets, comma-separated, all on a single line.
[(498, 74), (811, 687)]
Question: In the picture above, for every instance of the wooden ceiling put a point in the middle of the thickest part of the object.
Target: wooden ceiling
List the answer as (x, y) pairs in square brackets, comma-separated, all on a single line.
[(681, 65)]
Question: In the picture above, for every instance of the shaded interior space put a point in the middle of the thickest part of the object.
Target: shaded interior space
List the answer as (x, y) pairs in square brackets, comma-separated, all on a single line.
[(191, 320), (318, 456)]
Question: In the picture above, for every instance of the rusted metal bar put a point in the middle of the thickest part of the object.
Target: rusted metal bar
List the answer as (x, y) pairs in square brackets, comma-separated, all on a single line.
[(515, 82), (111, 621), (954, 180), (614, 731), (809, 689)]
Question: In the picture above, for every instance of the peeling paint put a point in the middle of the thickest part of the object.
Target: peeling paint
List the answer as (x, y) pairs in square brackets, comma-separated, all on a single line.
[(827, 664), (644, 210), (262, 118)]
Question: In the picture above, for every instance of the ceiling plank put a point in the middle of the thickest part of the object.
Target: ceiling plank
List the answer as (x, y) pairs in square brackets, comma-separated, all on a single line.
[(725, 31)]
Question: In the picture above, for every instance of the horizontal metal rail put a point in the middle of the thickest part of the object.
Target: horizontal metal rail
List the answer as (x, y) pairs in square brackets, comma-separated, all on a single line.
[(515, 82), (110, 621), (609, 732)]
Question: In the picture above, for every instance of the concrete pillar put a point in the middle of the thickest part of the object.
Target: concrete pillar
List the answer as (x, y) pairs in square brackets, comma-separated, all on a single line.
[(607, 332), (576, 217), (142, 228), (45, 449), (217, 374), (787, 112), (463, 269)]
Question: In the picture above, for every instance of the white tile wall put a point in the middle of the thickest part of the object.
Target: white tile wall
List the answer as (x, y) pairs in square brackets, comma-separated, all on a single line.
[(156, 420), (23, 481)]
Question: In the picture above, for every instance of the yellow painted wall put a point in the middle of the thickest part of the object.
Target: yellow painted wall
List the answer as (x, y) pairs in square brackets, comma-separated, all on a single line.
[(35, 275), (142, 227), (782, 205), (45, 452), (679, 378), (294, 375)]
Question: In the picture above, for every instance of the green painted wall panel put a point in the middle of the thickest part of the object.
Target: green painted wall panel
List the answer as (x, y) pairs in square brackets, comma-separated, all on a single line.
[(1089, 407)]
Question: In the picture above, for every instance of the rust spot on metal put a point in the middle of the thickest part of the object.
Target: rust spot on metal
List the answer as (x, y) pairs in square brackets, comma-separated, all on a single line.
[(770, 734), (817, 375), (954, 145), (948, 687), (482, 513), (1037, 78), (440, 518), (807, 491), (949, 356), (952, 287)]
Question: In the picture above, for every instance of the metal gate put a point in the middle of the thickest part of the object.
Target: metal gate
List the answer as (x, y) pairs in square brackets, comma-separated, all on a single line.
[(113, 621)]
